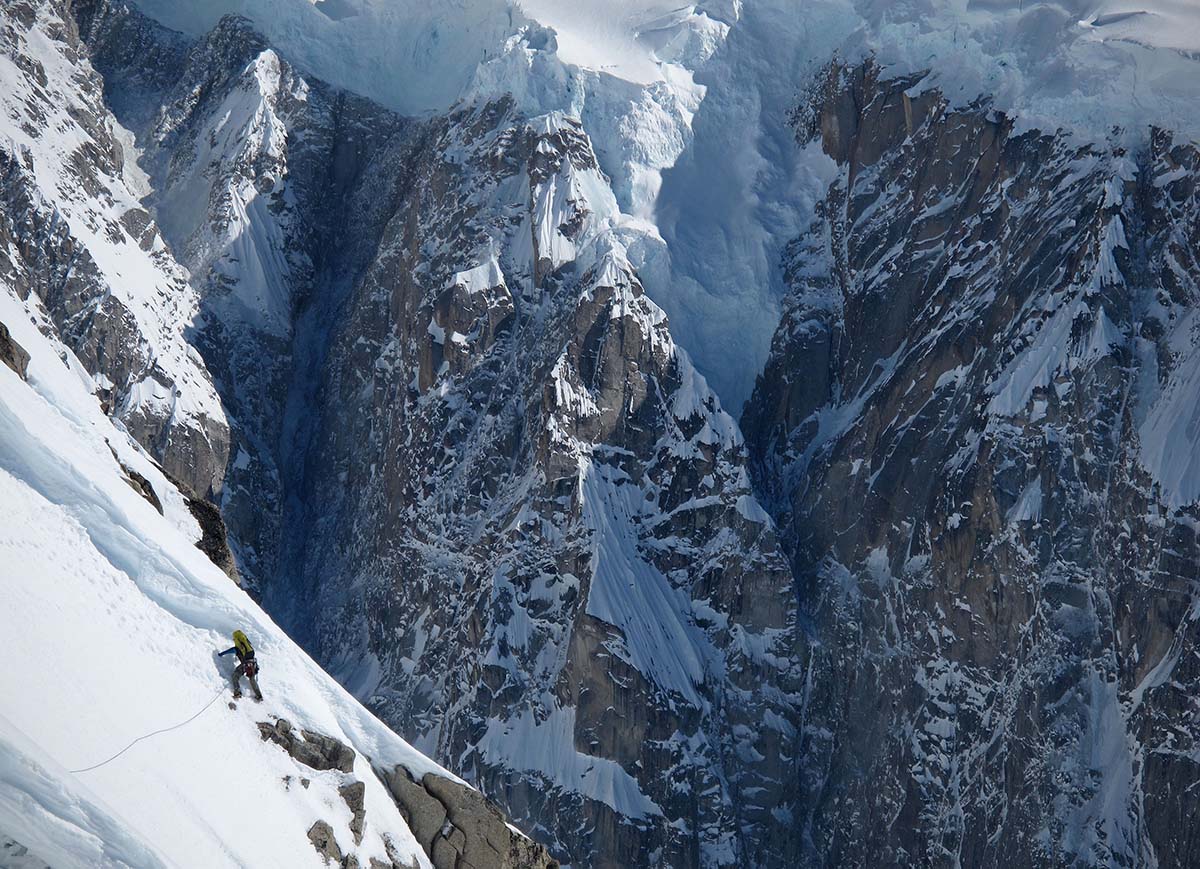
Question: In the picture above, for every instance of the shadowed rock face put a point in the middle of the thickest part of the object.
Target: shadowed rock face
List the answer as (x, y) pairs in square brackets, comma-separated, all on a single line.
[(955, 429)]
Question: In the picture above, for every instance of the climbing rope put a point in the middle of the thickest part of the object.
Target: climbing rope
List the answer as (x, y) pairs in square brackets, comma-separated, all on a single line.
[(220, 691)]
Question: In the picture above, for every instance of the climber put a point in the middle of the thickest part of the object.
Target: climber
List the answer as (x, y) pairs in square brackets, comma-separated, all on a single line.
[(247, 665)]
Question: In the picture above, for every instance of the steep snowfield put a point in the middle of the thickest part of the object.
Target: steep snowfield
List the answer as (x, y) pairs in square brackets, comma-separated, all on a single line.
[(111, 621)]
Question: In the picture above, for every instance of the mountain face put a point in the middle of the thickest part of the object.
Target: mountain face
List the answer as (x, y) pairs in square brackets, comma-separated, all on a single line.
[(566, 553), (74, 234), (267, 185), (928, 602), (972, 431)]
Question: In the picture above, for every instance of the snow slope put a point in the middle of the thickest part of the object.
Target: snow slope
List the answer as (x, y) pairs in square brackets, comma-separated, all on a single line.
[(111, 619)]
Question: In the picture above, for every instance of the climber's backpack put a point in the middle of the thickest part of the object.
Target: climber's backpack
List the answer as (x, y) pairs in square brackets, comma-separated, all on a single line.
[(245, 650)]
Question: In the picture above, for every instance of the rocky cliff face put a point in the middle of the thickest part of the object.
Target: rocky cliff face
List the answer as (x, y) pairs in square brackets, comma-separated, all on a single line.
[(73, 235), (473, 472), (971, 428), (264, 183), (561, 577)]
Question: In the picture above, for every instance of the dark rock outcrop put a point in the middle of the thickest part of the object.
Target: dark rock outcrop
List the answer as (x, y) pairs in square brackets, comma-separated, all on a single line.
[(214, 535), (314, 750), (455, 825), (353, 794), (322, 838), (324, 753), (16, 855), (13, 354), (458, 827), (214, 539), (143, 487)]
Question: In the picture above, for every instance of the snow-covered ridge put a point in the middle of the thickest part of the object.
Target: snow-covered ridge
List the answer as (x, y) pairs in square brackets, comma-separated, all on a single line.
[(409, 55), (232, 228)]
